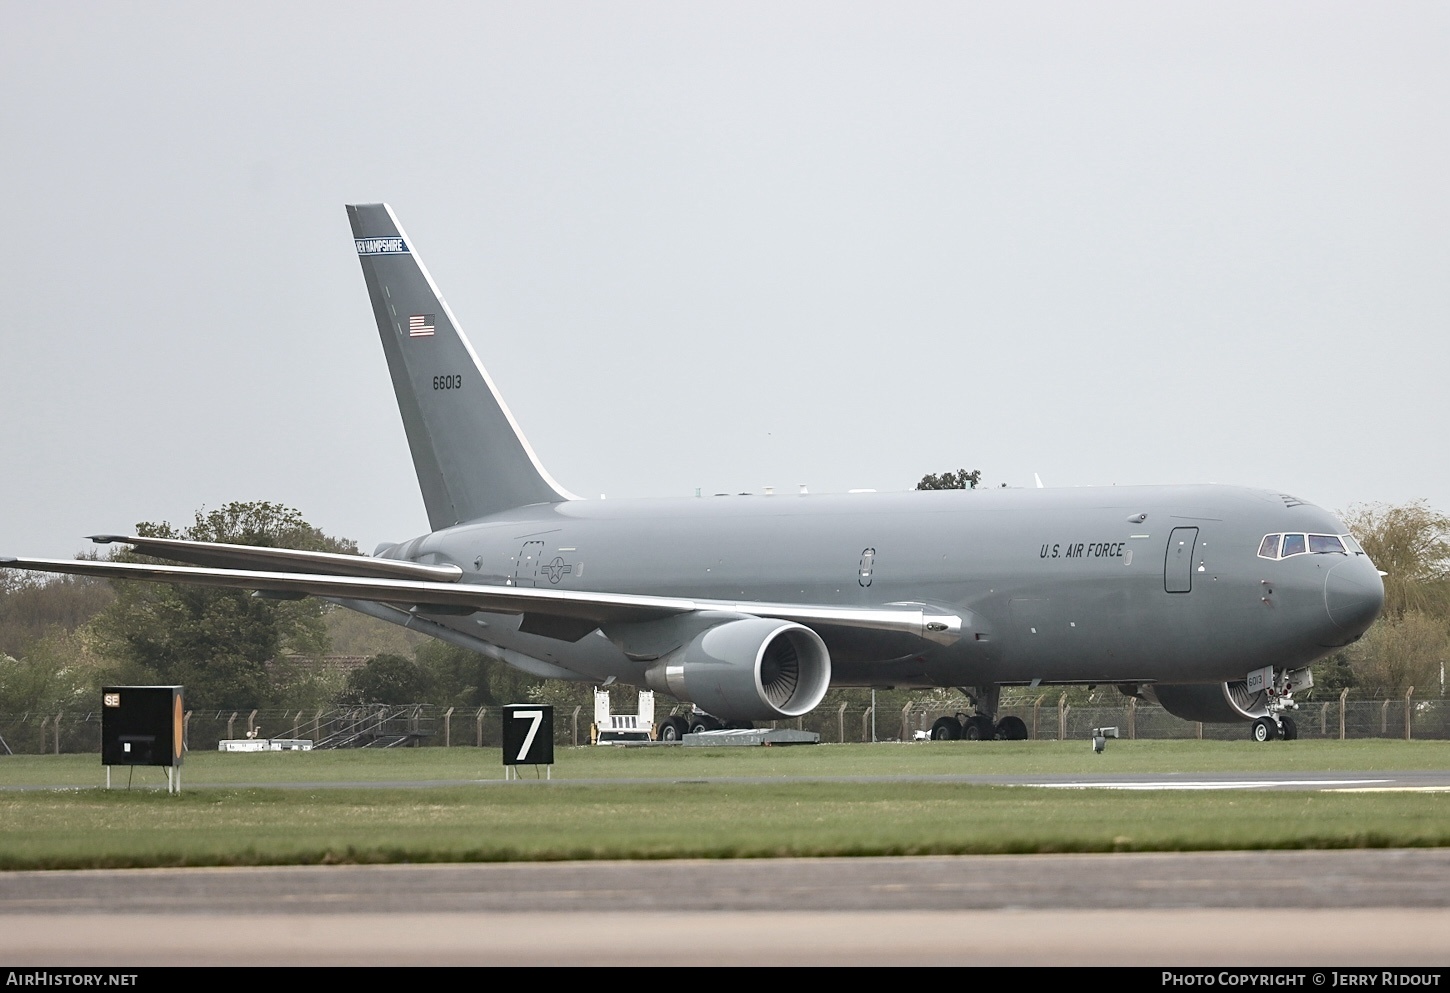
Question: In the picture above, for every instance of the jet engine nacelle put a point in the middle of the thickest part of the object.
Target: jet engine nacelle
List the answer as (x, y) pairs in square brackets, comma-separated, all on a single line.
[(752, 669), (1211, 703)]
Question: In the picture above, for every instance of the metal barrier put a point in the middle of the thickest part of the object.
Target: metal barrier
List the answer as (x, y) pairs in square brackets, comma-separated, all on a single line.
[(424, 725)]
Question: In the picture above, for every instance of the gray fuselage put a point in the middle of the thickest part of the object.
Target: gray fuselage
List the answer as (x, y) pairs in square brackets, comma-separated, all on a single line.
[(1063, 585)]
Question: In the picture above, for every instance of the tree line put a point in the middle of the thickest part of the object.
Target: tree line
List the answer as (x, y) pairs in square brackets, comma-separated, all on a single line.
[(1409, 644), (63, 638)]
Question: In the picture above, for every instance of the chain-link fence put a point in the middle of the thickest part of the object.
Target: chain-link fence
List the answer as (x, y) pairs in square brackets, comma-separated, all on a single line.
[(1047, 718), (410, 725), (1057, 719)]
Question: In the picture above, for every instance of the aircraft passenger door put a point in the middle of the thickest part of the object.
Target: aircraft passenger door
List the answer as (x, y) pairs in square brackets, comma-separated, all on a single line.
[(1178, 563), (526, 569)]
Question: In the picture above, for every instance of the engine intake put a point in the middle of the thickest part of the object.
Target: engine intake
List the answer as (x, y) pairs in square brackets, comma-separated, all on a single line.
[(1211, 703), (752, 669)]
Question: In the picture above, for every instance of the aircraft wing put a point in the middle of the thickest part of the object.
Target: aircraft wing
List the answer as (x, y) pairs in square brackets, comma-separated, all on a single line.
[(566, 614)]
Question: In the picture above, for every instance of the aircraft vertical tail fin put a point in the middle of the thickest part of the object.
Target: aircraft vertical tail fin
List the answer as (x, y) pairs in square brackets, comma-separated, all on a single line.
[(471, 458)]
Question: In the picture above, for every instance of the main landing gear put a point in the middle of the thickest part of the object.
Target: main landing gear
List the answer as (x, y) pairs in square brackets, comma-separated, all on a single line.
[(676, 726), (981, 726)]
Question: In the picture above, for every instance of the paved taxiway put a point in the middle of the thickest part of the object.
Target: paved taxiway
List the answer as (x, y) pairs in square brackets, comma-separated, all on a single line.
[(1359, 907)]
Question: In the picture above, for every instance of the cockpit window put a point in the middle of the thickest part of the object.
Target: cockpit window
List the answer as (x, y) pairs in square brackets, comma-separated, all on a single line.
[(1282, 546)]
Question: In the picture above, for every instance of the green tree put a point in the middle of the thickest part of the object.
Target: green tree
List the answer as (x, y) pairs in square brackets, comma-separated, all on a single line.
[(33, 606), (565, 694), (219, 642), (65, 670), (387, 678), (1397, 653), (1410, 543), (462, 678), (351, 633), (27, 686), (959, 480)]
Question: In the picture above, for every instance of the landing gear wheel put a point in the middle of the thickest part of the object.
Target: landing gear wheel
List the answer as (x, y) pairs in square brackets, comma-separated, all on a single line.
[(1264, 729), (946, 729), (978, 727), (699, 722), (1291, 730), (672, 729), (1012, 729)]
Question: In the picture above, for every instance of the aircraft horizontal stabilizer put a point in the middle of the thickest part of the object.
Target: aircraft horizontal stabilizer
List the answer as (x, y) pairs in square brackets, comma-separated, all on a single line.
[(223, 556)]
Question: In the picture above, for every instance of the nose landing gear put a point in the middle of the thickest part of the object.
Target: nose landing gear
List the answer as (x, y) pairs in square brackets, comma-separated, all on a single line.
[(1278, 690)]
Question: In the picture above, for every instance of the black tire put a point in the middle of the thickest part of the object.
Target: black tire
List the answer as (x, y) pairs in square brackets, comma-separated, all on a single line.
[(972, 731), (670, 729), (1012, 729), (1290, 728), (1264, 729), (946, 729)]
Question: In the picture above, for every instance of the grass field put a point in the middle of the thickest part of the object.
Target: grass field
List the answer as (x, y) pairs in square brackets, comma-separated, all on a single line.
[(668, 812), (205, 769)]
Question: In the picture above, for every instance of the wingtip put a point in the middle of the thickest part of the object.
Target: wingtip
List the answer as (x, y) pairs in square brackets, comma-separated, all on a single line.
[(105, 539)]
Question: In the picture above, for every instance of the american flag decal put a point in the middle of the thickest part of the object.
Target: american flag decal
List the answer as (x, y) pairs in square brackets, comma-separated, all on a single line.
[(422, 325)]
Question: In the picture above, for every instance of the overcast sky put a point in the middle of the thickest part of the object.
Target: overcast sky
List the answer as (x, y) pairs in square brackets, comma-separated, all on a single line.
[(725, 246)]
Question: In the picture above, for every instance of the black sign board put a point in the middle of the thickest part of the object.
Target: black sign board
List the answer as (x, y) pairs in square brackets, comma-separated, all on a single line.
[(141, 725), (528, 734)]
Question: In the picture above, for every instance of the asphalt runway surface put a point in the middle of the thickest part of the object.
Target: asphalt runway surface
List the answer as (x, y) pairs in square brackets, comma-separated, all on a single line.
[(1305, 908), (1223, 909)]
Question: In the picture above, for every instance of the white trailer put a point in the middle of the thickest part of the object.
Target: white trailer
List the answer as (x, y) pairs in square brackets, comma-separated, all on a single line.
[(614, 728), (264, 745)]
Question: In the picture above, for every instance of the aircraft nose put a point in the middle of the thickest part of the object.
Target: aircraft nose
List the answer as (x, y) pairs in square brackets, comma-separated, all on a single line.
[(1353, 595)]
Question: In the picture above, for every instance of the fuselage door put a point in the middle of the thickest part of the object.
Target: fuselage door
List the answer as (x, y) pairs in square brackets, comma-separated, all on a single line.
[(1178, 564), (526, 569), (868, 564)]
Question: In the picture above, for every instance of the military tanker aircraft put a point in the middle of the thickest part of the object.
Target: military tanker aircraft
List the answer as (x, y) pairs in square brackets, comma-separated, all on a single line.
[(1211, 600)]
